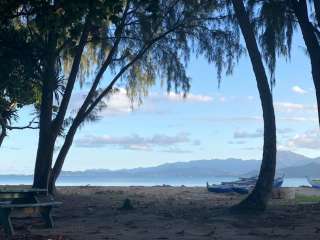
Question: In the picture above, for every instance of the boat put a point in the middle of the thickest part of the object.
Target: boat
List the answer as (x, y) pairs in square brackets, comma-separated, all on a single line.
[(241, 186), (315, 183), (220, 188), (277, 182), (229, 188), (242, 189)]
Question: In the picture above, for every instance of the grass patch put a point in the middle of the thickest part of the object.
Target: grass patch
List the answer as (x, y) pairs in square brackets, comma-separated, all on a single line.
[(307, 199)]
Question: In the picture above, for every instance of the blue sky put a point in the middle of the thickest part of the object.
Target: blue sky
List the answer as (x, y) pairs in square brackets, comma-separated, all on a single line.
[(211, 123)]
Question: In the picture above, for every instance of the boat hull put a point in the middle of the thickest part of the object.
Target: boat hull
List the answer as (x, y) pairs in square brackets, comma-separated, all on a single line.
[(313, 183), (242, 186)]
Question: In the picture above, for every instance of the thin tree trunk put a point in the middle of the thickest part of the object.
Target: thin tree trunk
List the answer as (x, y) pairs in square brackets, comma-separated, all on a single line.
[(258, 198), (56, 170), (312, 43), (46, 135), (316, 4), (3, 133)]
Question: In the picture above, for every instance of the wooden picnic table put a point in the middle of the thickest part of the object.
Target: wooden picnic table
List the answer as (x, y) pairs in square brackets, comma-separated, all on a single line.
[(30, 195), (21, 199)]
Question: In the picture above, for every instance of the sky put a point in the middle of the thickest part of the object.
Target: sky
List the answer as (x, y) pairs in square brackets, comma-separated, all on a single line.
[(210, 123)]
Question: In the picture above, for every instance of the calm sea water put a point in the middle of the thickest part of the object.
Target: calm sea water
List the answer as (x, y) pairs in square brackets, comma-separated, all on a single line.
[(100, 181)]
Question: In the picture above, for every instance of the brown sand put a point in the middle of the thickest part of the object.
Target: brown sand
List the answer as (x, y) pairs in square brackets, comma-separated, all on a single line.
[(167, 213)]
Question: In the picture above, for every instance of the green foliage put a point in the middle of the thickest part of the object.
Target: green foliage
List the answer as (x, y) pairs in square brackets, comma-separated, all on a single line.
[(155, 39), (19, 85), (275, 25), (162, 35)]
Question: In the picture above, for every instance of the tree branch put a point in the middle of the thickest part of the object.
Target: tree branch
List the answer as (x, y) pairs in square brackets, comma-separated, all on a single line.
[(72, 77), (114, 80), (29, 126), (316, 4), (118, 33)]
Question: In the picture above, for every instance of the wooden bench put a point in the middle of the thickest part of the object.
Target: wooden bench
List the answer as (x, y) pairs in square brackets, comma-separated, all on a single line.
[(36, 200), (44, 209)]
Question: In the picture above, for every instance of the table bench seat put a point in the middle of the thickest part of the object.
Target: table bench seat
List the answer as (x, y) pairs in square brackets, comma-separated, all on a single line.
[(29, 205), (19, 200)]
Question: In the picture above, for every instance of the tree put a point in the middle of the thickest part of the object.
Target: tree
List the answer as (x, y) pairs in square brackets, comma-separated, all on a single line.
[(311, 35), (258, 198), (18, 74), (137, 41)]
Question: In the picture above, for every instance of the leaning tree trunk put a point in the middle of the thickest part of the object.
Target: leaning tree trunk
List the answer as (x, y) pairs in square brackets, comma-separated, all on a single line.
[(258, 198), (312, 43), (56, 170), (3, 132)]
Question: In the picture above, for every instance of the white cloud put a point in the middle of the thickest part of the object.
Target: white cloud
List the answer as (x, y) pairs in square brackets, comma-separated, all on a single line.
[(222, 99), (119, 102), (298, 119), (136, 142), (237, 142), (232, 119), (284, 130), (258, 133), (243, 134), (189, 97), (309, 140), (299, 90), (290, 107)]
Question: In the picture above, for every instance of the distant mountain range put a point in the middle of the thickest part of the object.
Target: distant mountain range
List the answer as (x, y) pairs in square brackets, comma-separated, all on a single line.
[(288, 163)]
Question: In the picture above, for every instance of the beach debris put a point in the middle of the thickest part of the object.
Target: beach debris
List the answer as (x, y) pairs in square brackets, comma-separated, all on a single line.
[(127, 205)]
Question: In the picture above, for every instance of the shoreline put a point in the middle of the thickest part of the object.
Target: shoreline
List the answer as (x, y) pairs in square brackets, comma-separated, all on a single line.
[(90, 212)]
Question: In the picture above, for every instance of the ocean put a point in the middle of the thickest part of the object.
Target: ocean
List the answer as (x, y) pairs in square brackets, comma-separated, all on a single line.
[(101, 181)]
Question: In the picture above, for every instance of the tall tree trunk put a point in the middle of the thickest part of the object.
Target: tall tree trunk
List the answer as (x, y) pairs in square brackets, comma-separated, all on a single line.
[(312, 43), (258, 198), (46, 135)]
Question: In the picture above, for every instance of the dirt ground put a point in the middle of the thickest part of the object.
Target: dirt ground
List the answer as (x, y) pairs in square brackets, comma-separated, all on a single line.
[(167, 213)]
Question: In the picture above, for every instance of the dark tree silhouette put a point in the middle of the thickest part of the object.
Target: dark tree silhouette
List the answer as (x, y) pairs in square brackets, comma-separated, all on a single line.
[(19, 79), (137, 41), (258, 198)]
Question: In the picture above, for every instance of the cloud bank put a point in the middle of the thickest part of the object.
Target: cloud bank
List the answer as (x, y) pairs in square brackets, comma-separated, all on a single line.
[(136, 142)]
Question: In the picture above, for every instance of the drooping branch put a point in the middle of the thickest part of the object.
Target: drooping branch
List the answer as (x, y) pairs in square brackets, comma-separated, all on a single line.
[(114, 80), (317, 10), (28, 126), (106, 63)]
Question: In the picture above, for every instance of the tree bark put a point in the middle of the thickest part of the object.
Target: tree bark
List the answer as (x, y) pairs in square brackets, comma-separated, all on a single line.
[(46, 137), (56, 170), (3, 133), (258, 198), (313, 46), (316, 4)]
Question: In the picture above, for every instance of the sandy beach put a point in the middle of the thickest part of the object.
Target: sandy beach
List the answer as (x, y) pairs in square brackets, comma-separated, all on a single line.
[(167, 213)]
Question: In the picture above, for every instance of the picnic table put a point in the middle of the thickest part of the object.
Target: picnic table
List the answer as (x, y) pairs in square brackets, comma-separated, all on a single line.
[(34, 199)]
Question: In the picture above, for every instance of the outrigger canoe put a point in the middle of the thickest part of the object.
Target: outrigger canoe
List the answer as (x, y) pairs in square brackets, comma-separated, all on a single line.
[(315, 183), (241, 186)]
